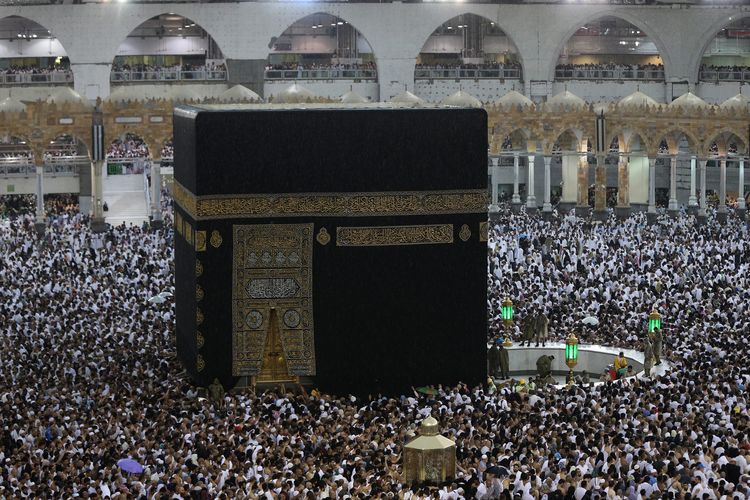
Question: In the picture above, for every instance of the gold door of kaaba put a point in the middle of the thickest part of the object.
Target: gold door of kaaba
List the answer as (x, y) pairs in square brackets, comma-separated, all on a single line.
[(272, 301)]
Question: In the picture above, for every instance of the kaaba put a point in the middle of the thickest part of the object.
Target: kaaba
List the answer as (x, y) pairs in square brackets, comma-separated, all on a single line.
[(345, 247)]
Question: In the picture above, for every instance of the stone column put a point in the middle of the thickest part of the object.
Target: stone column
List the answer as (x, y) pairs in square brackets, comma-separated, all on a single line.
[(41, 217), (394, 76), (547, 206), (84, 186), (248, 72), (530, 196), (674, 207), (741, 187), (156, 219), (692, 200), (494, 176), (600, 189), (98, 223), (703, 201), (623, 188), (651, 214), (91, 80), (582, 203), (516, 195), (722, 211)]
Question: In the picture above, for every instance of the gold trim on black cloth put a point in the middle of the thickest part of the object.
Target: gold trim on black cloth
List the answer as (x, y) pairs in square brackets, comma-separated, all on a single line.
[(323, 237), (200, 241), (387, 203), (465, 233), (394, 235), (272, 269)]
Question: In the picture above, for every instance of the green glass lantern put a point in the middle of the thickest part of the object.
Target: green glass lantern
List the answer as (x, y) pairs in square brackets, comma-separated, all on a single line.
[(571, 355), (654, 321), (571, 351), (507, 311)]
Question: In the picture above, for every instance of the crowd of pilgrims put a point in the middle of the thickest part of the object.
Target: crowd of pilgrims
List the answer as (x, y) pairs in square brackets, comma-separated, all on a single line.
[(89, 376), (20, 204), (130, 146)]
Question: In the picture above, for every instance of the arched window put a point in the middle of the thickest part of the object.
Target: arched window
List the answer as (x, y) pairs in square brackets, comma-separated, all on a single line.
[(470, 47), (609, 48), (321, 47), (727, 56), (32, 55), (168, 48)]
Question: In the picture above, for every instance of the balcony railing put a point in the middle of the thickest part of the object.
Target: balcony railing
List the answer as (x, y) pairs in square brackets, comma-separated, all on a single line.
[(724, 76), (321, 74), (467, 73), (57, 77), (163, 75), (609, 74), (56, 167)]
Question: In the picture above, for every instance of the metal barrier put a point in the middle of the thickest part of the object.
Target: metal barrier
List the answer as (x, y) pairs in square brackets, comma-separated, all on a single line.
[(609, 74), (467, 73), (16, 167), (321, 74), (118, 166), (54, 167), (168, 75), (60, 77), (724, 76)]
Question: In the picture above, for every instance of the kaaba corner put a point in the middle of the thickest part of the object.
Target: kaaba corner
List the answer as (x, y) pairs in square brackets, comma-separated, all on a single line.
[(343, 246)]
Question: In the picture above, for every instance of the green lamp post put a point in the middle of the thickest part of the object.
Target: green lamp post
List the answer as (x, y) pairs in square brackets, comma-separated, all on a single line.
[(654, 321), (507, 313), (571, 354)]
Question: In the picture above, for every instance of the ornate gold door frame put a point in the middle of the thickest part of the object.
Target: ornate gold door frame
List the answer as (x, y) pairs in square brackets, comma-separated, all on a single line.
[(272, 269)]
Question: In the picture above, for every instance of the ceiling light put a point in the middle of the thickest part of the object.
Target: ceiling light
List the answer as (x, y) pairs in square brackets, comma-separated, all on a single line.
[(333, 24), (340, 23)]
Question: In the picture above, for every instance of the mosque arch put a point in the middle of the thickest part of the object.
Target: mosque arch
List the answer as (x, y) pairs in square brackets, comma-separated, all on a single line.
[(473, 41), (128, 144), (31, 54), (637, 142), (168, 47), (729, 141), (636, 37), (677, 140), (515, 140), (66, 154), (567, 140), (321, 45), (16, 155), (509, 143), (720, 36)]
